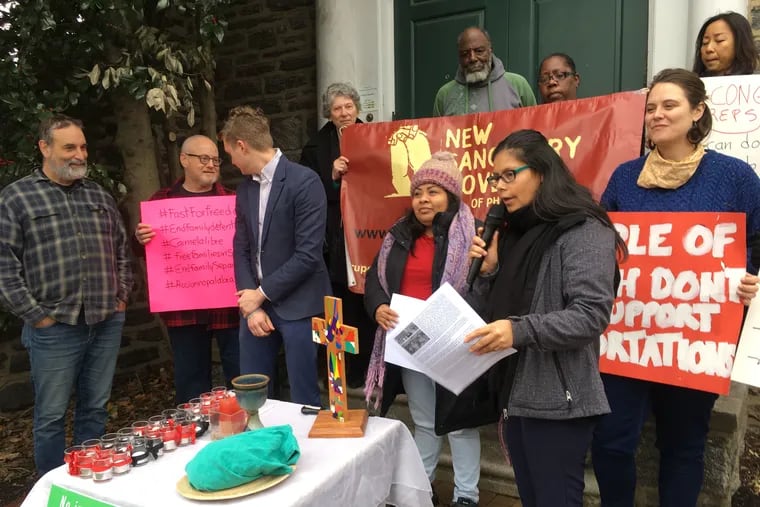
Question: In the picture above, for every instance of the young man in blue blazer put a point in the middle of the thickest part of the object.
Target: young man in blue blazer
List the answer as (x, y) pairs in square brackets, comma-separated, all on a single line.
[(280, 272)]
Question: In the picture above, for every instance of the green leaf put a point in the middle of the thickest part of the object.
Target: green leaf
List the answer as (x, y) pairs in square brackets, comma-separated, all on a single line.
[(191, 117)]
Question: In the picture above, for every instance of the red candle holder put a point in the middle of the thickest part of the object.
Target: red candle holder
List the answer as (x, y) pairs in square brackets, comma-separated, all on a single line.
[(122, 460), (71, 458), (84, 462), (169, 436), (187, 432), (102, 468)]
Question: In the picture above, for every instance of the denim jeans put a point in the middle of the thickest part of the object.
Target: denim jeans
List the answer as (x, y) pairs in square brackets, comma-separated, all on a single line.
[(464, 443), (64, 357), (259, 355), (191, 348), (682, 421)]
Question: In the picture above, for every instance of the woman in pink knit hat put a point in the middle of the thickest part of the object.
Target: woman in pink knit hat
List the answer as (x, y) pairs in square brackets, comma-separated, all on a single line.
[(424, 249)]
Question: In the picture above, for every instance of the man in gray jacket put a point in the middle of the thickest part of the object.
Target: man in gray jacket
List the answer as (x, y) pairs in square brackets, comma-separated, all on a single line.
[(481, 83)]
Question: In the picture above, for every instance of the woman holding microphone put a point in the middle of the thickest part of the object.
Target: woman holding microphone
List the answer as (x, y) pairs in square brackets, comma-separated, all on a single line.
[(552, 273)]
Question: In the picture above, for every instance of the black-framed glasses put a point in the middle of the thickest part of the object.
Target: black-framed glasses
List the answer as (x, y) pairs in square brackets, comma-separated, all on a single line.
[(557, 76), (507, 176), (205, 159)]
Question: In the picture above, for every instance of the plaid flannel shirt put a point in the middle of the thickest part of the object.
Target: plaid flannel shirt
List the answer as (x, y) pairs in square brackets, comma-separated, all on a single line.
[(62, 250), (218, 318)]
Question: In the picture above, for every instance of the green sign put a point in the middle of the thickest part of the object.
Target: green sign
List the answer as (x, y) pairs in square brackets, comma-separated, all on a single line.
[(60, 497)]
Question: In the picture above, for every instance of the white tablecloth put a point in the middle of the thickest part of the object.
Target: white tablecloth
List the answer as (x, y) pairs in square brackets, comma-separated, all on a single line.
[(382, 467)]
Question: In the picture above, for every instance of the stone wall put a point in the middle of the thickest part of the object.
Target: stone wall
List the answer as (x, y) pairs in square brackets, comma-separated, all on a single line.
[(268, 59), (143, 343)]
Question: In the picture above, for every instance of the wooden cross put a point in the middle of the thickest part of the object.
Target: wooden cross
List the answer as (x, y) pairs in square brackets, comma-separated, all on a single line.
[(339, 338)]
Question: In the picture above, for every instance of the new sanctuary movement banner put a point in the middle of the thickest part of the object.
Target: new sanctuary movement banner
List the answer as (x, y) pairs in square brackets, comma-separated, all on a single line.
[(592, 135)]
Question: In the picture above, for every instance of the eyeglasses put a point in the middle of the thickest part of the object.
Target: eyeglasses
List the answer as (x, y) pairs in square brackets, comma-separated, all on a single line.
[(557, 76), (507, 176), (205, 159)]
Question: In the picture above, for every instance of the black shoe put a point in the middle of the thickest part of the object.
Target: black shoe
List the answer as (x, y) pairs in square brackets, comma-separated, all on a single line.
[(464, 502)]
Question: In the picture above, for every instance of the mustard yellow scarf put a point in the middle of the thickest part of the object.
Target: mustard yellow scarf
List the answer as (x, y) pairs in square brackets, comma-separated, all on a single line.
[(659, 172)]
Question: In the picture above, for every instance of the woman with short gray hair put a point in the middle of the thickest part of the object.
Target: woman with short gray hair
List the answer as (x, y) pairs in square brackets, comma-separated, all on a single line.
[(340, 105)]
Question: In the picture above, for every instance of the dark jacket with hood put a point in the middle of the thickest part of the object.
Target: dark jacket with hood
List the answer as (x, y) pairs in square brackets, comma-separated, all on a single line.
[(474, 406)]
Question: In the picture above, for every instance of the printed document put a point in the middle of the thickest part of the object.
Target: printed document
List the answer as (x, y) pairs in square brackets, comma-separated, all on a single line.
[(430, 335)]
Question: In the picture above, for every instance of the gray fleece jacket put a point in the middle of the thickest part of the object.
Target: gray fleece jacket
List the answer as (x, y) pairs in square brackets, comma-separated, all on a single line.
[(557, 373), (502, 90)]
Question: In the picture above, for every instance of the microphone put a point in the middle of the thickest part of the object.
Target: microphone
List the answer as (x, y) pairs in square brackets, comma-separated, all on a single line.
[(494, 219)]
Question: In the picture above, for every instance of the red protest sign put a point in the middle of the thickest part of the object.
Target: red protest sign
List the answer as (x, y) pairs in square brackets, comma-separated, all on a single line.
[(592, 135), (676, 319)]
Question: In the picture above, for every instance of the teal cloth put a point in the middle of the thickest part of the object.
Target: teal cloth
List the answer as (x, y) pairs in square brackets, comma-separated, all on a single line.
[(243, 458)]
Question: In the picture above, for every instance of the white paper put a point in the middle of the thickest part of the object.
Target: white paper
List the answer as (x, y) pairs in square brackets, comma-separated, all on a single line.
[(407, 308), (434, 340), (747, 360)]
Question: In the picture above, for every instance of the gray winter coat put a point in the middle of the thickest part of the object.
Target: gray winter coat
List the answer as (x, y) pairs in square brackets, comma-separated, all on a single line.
[(557, 375)]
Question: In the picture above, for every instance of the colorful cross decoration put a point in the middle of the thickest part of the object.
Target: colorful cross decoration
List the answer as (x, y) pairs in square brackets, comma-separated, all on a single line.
[(339, 338)]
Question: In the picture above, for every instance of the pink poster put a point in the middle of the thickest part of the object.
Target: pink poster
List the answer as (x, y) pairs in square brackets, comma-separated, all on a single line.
[(190, 258)]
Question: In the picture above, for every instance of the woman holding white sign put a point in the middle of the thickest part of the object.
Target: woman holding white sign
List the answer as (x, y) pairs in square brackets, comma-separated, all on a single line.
[(552, 273), (677, 175)]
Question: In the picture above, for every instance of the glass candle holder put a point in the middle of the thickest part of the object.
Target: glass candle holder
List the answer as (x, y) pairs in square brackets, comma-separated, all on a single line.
[(102, 468), (108, 441), (206, 401), (157, 421), (122, 460), (84, 462), (140, 427), (71, 458), (191, 408), (125, 436), (219, 392), (169, 437), (169, 414), (154, 442), (140, 454), (187, 432), (92, 444)]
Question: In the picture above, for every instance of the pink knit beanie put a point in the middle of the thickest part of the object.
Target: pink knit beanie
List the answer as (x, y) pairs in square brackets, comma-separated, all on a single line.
[(440, 170)]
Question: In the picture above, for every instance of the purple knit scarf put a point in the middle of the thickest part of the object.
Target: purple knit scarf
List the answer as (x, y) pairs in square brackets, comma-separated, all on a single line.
[(461, 232)]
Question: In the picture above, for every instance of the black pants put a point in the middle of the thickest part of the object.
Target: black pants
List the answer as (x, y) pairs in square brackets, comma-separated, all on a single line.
[(548, 458)]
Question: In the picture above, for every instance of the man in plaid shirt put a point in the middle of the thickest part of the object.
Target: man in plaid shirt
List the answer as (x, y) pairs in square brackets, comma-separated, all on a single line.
[(65, 270), (191, 331)]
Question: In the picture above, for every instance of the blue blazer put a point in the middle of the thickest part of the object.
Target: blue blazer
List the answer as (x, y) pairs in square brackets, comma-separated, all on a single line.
[(295, 277)]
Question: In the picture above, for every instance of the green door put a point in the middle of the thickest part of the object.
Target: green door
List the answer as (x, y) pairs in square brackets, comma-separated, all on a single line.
[(426, 46), (606, 38)]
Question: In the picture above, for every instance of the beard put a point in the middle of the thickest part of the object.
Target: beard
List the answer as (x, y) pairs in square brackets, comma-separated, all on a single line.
[(478, 76), (70, 171)]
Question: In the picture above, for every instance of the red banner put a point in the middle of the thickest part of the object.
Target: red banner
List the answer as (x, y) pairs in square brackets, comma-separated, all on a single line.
[(677, 317), (592, 135)]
